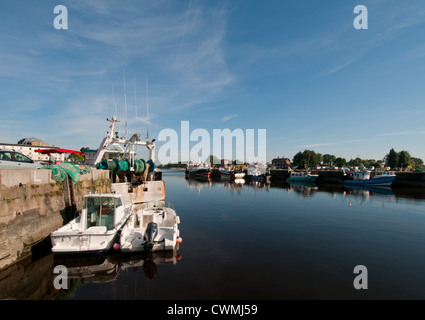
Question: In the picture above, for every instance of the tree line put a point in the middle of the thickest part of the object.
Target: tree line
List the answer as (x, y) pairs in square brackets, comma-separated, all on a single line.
[(393, 159)]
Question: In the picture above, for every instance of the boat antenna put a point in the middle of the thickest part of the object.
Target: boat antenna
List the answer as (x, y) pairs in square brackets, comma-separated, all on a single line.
[(114, 102), (135, 104), (147, 108), (125, 102)]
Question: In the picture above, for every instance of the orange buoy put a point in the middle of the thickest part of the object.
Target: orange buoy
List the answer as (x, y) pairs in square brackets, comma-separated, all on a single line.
[(179, 240)]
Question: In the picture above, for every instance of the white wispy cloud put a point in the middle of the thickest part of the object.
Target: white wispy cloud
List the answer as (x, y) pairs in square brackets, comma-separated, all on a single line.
[(227, 118), (316, 145), (404, 133)]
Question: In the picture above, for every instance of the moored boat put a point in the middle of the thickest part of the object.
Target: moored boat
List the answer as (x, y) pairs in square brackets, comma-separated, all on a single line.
[(154, 227), (239, 175), (97, 227), (363, 178), (225, 174), (256, 172), (302, 176), (198, 171)]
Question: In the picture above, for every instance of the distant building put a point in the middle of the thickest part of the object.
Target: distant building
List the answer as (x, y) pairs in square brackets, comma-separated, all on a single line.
[(33, 142), (281, 163), (28, 146)]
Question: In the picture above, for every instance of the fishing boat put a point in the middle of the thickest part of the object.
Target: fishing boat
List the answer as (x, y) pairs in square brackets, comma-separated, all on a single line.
[(225, 174), (363, 178), (204, 173), (198, 171), (239, 175), (256, 172), (302, 176), (97, 227), (154, 227)]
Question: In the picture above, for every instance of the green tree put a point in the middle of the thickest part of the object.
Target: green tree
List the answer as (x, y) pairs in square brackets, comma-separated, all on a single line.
[(404, 159), (417, 163), (392, 159), (307, 158), (329, 159), (340, 162), (355, 162)]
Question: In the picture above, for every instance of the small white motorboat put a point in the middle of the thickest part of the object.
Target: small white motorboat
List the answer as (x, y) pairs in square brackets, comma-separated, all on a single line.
[(95, 229), (239, 175), (154, 227)]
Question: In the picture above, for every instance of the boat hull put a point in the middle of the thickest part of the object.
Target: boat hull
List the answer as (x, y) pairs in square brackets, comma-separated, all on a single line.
[(385, 181), (84, 242), (310, 178), (133, 238)]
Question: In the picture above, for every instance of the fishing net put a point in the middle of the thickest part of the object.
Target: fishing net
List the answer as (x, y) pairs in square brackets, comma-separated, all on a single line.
[(59, 171)]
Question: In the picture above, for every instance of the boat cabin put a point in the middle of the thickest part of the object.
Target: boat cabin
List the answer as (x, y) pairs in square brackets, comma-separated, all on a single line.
[(361, 175), (298, 174), (103, 211)]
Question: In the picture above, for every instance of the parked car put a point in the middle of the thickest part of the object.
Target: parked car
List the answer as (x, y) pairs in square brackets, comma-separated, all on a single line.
[(14, 160)]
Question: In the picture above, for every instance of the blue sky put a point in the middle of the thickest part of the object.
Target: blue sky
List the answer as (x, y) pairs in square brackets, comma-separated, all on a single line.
[(298, 69)]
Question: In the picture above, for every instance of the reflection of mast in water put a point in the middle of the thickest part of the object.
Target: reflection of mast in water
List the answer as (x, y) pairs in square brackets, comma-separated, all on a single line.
[(367, 194), (304, 188), (193, 184)]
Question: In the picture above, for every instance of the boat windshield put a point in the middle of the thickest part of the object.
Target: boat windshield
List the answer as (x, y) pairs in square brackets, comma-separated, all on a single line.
[(100, 212)]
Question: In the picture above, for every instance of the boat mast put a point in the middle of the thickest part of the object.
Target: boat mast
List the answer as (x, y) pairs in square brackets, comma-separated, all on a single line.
[(114, 104), (135, 104), (147, 108), (125, 102)]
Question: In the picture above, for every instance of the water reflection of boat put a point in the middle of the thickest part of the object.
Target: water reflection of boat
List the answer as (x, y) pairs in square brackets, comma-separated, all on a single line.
[(309, 184), (374, 189), (106, 268), (304, 187), (90, 268), (149, 262)]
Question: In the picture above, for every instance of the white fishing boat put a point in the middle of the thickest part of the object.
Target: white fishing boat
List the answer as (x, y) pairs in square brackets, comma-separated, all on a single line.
[(256, 172), (302, 176), (97, 227), (154, 227), (239, 175)]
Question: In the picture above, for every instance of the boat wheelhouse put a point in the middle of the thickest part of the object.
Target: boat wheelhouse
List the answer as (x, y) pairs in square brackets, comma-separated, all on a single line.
[(302, 176), (95, 229)]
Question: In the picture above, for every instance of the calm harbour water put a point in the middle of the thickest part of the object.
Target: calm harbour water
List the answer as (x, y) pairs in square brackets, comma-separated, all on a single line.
[(259, 242)]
